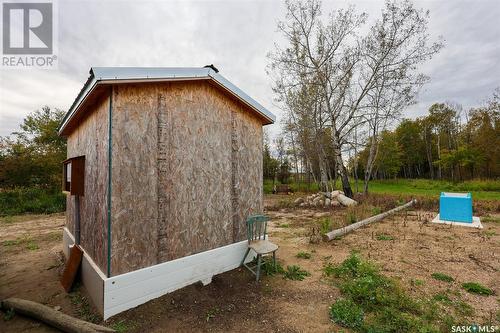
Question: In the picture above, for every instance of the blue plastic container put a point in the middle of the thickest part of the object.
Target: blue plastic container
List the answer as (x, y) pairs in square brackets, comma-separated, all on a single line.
[(455, 207)]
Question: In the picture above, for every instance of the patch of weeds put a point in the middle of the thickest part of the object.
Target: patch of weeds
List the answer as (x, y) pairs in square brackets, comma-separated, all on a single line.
[(303, 255), (31, 245), (346, 313), (325, 225), (283, 225), (328, 269), (351, 217), (442, 277), (376, 210), (384, 237), (211, 313), (476, 288), (9, 314), (417, 282), (84, 309), (385, 305), (442, 297), (463, 309), (7, 219), (295, 273), (270, 269), (11, 242), (123, 326), (490, 233), (491, 219), (285, 203)]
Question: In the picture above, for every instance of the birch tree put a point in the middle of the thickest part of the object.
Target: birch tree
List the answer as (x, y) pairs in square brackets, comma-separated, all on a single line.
[(346, 67)]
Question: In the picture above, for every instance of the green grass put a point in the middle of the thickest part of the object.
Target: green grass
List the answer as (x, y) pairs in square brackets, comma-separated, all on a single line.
[(123, 326), (295, 273), (442, 277), (476, 288), (442, 297), (373, 302), (26, 240), (417, 282), (384, 237), (303, 255), (325, 225), (31, 200), (346, 313), (482, 190)]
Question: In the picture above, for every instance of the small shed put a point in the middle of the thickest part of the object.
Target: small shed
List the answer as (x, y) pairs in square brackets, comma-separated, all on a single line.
[(169, 166)]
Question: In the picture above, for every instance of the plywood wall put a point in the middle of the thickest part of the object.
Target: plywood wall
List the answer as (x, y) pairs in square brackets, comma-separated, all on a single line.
[(187, 170), (134, 204), (90, 138)]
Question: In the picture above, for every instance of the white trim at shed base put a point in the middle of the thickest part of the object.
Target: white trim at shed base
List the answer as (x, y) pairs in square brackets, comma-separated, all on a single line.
[(126, 291), (92, 277), (476, 222)]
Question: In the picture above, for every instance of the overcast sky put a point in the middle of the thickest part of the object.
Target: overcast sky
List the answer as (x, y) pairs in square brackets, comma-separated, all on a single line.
[(236, 36)]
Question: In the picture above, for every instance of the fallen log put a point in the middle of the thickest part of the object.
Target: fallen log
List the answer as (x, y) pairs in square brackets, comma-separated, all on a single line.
[(344, 230), (52, 317), (346, 201)]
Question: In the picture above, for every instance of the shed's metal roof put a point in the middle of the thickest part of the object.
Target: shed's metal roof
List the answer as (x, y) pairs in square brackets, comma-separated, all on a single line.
[(109, 75)]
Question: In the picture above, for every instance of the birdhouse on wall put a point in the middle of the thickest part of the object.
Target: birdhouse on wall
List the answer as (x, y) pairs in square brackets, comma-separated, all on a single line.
[(74, 175)]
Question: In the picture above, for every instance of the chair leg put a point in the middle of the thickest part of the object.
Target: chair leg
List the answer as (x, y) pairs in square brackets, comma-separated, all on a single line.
[(244, 257), (259, 262)]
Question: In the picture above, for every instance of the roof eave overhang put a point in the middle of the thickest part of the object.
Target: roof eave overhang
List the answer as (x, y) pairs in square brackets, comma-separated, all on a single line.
[(222, 82)]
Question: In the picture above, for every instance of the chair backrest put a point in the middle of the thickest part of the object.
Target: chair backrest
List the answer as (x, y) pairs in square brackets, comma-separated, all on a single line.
[(256, 227)]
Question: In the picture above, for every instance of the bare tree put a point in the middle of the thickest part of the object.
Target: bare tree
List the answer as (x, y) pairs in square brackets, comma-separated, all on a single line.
[(347, 68)]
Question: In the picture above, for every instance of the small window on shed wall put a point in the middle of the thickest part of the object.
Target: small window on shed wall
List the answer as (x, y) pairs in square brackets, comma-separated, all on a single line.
[(74, 175)]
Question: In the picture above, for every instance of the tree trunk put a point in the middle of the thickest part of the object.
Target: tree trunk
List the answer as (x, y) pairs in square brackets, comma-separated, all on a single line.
[(346, 186), (344, 230)]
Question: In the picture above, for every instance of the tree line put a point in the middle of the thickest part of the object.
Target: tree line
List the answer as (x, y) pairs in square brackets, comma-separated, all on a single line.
[(448, 143), (32, 156)]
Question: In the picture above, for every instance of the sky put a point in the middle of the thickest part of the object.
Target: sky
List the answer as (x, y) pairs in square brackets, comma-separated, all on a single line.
[(236, 37)]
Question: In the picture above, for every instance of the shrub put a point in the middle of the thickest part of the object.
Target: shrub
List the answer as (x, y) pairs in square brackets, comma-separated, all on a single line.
[(296, 273), (31, 200), (442, 277), (476, 288), (347, 313)]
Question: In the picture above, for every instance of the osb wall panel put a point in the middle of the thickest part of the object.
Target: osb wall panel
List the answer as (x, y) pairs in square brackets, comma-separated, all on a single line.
[(90, 138), (187, 171), (247, 170), (197, 214), (134, 178)]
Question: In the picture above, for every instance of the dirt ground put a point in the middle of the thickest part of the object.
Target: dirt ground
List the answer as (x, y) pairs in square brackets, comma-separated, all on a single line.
[(30, 264)]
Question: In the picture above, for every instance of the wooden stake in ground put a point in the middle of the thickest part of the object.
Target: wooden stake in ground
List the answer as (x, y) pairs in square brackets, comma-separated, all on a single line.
[(52, 317), (344, 230)]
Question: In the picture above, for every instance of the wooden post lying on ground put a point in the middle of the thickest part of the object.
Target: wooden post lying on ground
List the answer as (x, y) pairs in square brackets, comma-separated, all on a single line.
[(52, 317), (344, 230)]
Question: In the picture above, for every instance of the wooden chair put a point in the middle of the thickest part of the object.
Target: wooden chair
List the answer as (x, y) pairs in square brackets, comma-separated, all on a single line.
[(257, 241)]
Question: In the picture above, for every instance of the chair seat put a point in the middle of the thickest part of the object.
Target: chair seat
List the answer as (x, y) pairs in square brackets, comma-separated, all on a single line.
[(263, 246)]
